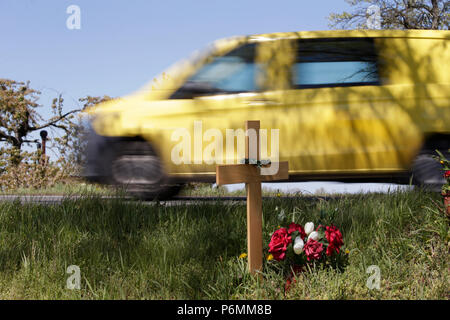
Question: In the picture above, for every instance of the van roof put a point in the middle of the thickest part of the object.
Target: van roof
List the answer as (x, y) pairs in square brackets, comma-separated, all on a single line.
[(437, 34), (157, 88)]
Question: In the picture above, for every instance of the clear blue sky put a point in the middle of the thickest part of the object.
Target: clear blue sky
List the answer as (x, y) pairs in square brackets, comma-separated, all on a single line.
[(124, 44)]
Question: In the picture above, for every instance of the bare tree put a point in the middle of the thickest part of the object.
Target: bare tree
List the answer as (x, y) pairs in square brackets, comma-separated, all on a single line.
[(395, 14)]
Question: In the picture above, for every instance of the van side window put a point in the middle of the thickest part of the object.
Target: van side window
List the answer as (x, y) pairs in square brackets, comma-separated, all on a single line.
[(335, 63), (232, 73)]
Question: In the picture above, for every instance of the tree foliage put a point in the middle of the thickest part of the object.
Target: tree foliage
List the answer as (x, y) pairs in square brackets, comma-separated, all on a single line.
[(19, 116), (20, 119), (395, 14)]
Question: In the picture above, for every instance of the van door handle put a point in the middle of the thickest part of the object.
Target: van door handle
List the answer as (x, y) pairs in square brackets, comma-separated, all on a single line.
[(261, 102)]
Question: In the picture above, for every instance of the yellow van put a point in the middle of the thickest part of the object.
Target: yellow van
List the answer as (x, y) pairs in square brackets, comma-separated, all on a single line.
[(359, 105)]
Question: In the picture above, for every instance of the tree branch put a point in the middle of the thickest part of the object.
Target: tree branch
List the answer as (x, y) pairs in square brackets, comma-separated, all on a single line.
[(7, 137), (31, 141), (53, 122)]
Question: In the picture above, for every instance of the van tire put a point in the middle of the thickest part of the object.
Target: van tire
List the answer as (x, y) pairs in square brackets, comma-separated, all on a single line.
[(427, 171), (135, 168)]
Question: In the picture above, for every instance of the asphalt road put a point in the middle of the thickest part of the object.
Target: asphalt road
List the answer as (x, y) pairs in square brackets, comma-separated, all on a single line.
[(179, 200)]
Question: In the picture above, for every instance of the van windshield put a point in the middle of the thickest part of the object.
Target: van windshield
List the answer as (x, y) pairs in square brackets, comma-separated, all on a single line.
[(234, 72), (172, 78)]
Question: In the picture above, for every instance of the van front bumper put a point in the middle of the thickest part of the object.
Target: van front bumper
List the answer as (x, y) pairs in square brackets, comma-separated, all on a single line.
[(96, 156)]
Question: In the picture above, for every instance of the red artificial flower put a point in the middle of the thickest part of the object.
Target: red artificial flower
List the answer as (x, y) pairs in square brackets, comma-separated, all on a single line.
[(334, 238), (447, 174), (289, 281), (313, 249), (278, 244), (296, 269), (296, 227), (330, 249)]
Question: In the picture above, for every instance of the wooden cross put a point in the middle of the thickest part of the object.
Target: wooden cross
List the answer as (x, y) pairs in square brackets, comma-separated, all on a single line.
[(250, 174)]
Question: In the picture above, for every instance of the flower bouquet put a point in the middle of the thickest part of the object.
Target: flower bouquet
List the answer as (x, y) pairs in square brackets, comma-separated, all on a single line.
[(296, 247)]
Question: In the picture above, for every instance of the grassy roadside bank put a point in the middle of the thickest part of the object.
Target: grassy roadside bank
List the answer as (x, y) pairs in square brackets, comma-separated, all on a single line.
[(135, 251)]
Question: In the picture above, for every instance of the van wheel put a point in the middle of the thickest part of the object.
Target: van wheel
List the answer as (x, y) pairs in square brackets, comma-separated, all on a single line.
[(136, 168), (427, 172)]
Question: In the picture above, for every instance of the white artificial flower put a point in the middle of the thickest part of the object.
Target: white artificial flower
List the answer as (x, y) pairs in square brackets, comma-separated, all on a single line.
[(309, 227), (314, 235), (297, 239), (298, 245)]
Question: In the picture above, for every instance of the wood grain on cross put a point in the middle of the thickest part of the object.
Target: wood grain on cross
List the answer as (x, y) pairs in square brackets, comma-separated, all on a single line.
[(250, 174)]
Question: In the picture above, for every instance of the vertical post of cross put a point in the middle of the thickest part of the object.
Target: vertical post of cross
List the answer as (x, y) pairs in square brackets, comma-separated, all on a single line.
[(250, 174), (254, 200)]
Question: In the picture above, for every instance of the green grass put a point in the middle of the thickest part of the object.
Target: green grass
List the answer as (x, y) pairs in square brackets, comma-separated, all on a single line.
[(75, 187), (128, 250), (209, 190), (79, 187)]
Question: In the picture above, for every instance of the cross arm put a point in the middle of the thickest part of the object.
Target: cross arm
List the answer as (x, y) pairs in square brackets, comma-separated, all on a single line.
[(246, 173)]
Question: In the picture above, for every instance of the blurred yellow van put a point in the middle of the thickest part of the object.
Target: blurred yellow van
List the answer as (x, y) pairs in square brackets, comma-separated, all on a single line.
[(359, 105)]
